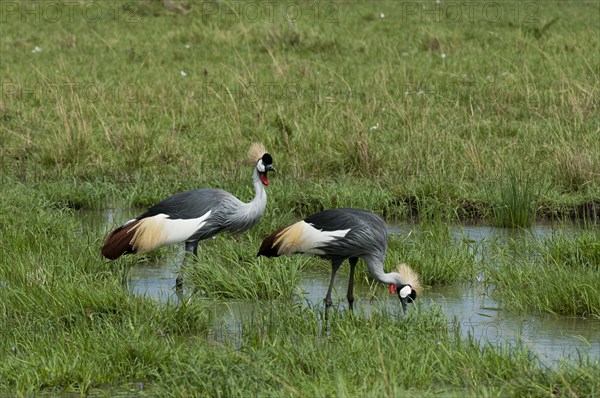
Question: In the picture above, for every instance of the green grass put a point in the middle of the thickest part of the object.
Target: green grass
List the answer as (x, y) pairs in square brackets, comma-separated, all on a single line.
[(70, 325), (434, 255), (232, 270), (393, 122), (67, 321), (558, 275), (516, 202), (581, 251)]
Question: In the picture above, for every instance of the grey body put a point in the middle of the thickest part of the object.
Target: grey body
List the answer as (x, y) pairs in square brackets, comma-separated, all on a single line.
[(228, 213), (366, 239)]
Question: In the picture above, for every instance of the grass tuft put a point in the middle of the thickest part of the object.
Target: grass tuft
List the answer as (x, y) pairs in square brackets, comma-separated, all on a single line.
[(234, 271), (516, 200)]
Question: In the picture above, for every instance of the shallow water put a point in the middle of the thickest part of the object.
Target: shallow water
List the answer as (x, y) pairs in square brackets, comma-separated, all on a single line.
[(552, 338)]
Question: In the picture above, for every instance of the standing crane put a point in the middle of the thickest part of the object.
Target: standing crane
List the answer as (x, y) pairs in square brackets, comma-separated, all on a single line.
[(341, 234), (192, 216)]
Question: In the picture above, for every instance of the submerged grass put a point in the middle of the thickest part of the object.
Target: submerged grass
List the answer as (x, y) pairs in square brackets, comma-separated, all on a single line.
[(557, 274), (287, 350), (233, 271)]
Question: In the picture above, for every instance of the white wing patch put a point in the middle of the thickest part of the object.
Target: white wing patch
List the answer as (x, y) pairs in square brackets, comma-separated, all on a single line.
[(179, 230), (159, 230), (303, 237)]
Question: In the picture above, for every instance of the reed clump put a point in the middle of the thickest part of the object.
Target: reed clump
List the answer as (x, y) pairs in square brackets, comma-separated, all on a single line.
[(515, 202)]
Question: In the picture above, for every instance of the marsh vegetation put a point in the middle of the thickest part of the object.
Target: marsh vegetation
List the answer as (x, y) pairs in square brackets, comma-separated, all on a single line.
[(427, 122)]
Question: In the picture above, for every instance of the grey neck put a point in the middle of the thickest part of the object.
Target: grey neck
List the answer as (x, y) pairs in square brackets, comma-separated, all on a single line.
[(375, 266), (249, 213), (259, 202)]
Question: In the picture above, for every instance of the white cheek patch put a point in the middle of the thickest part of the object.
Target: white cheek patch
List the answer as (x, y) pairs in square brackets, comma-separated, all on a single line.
[(405, 291), (260, 166)]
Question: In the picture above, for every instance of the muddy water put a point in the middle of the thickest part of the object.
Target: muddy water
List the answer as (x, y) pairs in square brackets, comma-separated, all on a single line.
[(552, 338)]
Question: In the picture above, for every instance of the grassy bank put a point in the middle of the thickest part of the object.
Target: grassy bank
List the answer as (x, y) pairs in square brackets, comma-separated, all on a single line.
[(405, 109)]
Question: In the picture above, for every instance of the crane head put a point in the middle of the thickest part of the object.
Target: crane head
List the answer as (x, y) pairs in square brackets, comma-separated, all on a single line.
[(257, 154), (406, 294), (263, 166), (409, 287)]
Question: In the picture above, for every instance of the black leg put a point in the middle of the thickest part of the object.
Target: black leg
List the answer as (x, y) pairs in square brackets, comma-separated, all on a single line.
[(191, 249), (350, 295), (335, 265)]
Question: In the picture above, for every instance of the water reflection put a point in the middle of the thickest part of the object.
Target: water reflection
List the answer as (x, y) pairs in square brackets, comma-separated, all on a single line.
[(553, 338), (156, 280)]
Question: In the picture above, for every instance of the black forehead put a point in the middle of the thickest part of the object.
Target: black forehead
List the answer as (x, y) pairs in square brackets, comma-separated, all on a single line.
[(267, 159)]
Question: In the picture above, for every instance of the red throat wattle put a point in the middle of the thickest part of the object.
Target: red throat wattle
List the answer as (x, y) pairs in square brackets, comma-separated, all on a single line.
[(392, 289), (263, 179)]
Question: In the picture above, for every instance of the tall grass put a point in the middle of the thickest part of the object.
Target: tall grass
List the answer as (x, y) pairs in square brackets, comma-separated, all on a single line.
[(580, 250), (233, 271), (576, 166), (434, 255)]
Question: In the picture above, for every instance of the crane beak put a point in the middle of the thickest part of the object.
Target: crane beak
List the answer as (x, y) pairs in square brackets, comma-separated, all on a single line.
[(404, 301), (270, 167)]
